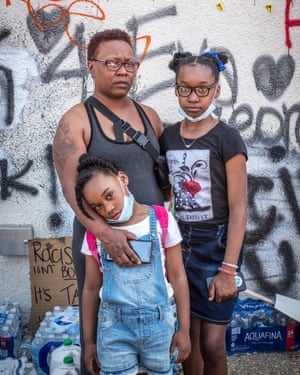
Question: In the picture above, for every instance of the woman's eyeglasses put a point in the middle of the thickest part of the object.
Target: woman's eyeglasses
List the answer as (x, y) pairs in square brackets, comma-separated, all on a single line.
[(186, 91), (113, 65)]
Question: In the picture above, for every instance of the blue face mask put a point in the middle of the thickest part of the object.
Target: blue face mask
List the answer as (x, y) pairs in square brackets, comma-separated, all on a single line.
[(127, 212), (204, 115)]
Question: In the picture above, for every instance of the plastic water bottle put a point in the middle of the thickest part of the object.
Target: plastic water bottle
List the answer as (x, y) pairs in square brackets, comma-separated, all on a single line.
[(244, 319), (36, 345), (7, 303), (14, 337), (27, 368), (3, 314), (66, 368), (48, 317), (5, 342), (66, 349), (25, 347)]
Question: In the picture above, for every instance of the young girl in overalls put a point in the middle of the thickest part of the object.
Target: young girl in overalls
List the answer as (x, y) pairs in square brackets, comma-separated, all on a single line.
[(130, 313)]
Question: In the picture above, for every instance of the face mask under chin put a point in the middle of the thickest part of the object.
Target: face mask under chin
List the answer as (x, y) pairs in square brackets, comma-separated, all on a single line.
[(127, 212), (203, 116)]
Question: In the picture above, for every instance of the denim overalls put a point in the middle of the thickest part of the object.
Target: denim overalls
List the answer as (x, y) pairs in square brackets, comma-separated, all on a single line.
[(136, 319)]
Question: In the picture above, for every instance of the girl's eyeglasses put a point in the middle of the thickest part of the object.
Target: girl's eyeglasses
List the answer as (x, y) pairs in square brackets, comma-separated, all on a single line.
[(186, 91)]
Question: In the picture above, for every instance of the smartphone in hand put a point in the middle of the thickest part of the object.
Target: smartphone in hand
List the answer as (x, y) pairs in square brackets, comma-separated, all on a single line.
[(142, 248), (239, 280)]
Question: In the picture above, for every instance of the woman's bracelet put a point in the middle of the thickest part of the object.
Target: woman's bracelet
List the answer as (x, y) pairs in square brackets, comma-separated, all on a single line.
[(224, 270), (235, 266)]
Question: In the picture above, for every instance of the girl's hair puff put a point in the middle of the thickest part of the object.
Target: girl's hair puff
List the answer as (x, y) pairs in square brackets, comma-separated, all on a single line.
[(88, 166), (186, 58)]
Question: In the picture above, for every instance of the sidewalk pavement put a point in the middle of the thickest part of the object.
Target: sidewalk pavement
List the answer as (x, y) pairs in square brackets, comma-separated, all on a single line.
[(273, 363)]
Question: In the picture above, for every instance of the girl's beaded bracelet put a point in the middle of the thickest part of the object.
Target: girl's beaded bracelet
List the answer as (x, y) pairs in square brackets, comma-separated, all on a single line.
[(224, 270)]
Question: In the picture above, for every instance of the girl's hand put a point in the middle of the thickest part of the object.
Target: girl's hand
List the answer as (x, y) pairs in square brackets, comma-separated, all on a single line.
[(181, 341), (222, 287), (91, 359)]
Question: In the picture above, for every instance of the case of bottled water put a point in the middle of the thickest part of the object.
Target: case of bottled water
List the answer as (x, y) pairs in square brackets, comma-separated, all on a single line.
[(257, 326), (10, 328), (58, 325), (14, 366)]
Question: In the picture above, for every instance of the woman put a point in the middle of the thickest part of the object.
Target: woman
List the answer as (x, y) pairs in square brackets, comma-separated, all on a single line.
[(113, 67)]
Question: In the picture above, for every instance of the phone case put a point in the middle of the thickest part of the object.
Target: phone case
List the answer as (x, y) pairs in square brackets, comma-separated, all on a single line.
[(142, 248), (239, 280)]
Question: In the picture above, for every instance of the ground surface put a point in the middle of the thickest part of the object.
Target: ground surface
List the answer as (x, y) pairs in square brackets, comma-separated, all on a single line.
[(275, 363)]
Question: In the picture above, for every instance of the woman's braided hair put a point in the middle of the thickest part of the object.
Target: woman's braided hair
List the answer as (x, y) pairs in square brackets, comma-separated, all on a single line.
[(87, 167), (186, 58)]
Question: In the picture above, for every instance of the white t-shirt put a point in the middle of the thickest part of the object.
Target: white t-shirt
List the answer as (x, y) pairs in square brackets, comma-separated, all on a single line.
[(140, 229)]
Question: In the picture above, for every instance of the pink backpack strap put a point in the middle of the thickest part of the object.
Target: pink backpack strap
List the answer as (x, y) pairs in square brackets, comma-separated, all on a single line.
[(162, 216), (91, 240)]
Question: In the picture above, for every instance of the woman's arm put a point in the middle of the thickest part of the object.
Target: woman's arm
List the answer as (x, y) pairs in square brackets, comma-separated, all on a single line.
[(177, 277), (70, 141), (90, 306), (223, 285)]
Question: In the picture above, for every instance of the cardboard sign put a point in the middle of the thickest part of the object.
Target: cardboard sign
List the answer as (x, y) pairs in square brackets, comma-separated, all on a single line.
[(52, 277)]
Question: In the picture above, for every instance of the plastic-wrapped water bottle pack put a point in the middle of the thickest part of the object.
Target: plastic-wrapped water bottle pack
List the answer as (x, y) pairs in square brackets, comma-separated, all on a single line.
[(59, 330), (10, 328)]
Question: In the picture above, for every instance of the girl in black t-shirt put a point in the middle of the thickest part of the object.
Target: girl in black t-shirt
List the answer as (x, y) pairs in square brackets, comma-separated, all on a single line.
[(207, 163)]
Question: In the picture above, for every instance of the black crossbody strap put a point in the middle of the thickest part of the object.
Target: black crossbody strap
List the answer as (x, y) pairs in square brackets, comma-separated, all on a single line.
[(124, 126), (108, 113)]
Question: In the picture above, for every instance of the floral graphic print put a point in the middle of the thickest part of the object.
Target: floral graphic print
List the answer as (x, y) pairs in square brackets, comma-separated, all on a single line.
[(190, 176)]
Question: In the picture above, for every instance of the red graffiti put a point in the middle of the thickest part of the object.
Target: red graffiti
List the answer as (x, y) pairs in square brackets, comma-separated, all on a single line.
[(289, 23), (65, 13)]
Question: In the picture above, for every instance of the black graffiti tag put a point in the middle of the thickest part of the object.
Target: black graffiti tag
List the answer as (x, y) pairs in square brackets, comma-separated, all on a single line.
[(264, 226), (271, 78), (8, 183), (265, 223), (288, 272), (6, 83), (45, 38)]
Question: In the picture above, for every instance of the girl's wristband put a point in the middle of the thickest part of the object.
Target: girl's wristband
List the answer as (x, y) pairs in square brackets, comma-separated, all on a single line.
[(228, 272), (230, 265)]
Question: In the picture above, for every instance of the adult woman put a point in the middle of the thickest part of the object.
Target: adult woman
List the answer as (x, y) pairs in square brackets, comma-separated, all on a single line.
[(113, 67), (207, 162)]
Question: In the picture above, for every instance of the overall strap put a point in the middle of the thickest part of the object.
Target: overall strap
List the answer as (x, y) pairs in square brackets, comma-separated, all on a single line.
[(162, 216)]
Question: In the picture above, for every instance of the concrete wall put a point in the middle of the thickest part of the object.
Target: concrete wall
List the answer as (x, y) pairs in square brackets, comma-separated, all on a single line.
[(43, 73)]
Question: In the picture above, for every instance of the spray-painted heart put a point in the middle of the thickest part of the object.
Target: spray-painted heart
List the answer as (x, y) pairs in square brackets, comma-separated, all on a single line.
[(44, 31), (271, 78)]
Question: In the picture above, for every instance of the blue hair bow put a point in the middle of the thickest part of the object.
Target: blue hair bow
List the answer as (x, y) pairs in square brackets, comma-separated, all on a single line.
[(221, 66)]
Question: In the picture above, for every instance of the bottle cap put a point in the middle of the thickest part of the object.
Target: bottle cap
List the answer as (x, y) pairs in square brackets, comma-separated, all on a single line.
[(67, 342), (68, 360)]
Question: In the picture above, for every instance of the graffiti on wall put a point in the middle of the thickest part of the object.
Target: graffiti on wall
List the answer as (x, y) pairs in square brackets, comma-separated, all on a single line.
[(271, 130)]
